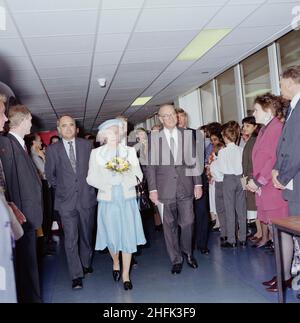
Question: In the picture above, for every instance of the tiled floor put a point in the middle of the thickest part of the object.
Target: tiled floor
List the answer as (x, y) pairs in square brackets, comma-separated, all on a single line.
[(223, 276)]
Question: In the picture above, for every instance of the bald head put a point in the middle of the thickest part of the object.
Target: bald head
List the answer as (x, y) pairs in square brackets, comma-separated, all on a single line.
[(167, 116)]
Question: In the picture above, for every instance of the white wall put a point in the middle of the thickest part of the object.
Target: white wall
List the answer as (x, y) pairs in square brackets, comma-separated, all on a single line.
[(191, 104)]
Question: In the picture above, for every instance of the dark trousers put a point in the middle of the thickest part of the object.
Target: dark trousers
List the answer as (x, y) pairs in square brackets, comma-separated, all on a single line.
[(178, 213), (235, 205), (220, 208), (78, 233), (201, 208), (201, 221), (48, 211), (27, 276)]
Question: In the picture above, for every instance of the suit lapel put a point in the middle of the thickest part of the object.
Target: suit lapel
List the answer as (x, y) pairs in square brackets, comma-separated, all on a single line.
[(16, 144), (77, 154)]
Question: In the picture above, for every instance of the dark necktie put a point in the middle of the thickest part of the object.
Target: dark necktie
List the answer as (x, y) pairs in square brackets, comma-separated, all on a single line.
[(2, 178), (288, 112), (72, 156)]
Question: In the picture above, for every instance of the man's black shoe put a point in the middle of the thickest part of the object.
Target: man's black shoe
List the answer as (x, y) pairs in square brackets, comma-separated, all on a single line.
[(176, 268), (77, 283), (191, 261), (228, 245), (87, 270)]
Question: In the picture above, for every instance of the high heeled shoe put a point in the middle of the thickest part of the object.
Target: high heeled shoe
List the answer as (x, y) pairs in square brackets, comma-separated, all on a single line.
[(128, 285), (116, 275)]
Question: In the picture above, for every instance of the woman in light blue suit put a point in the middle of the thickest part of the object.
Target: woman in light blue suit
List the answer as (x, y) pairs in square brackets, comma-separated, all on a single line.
[(119, 221)]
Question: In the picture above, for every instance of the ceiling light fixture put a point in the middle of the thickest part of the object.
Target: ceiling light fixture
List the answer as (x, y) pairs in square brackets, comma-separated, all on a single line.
[(141, 101), (202, 43)]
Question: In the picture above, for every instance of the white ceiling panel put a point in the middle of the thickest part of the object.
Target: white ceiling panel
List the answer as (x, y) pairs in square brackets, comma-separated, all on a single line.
[(56, 23), (11, 47), (231, 16), (65, 60), (42, 5), (19, 63), (150, 55), (180, 3), (121, 4), (109, 58), (111, 42), (79, 71), (123, 94), (60, 44), (170, 19), (82, 81), (245, 2), (24, 75), (30, 88), (254, 35), (117, 21), (271, 15), (177, 39), (145, 66), (35, 100), (62, 88), (66, 101)]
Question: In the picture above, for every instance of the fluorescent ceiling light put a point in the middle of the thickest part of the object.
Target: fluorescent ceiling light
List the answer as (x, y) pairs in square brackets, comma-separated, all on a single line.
[(202, 43), (2, 18), (141, 101), (257, 92)]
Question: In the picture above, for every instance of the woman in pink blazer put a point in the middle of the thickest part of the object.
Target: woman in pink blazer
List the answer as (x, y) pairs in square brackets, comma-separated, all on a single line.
[(269, 201)]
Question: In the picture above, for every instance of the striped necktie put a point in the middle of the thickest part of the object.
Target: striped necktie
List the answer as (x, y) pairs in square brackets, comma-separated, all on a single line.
[(72, 156)]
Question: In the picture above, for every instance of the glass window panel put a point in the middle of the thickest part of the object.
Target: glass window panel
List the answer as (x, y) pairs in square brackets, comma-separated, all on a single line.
[(209, 112), (289, 46), (227, 96), (255, 77)]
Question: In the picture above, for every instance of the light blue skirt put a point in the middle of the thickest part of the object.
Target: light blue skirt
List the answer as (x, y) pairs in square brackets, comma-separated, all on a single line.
[(119, 224)]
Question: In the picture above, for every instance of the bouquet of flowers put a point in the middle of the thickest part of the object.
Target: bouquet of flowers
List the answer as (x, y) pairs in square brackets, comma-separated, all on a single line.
[(118, 164)]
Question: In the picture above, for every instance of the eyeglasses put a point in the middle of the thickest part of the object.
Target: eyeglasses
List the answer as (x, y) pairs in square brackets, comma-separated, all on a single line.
[(166, 116)]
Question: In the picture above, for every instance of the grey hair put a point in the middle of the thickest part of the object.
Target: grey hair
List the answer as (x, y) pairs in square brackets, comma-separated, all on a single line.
[(2, 98)]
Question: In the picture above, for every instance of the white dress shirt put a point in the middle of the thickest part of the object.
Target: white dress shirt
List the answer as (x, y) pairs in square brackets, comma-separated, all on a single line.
[(67, 146), (294, 102), (20, 140), (216, 174), (229, 160), (174, 134)]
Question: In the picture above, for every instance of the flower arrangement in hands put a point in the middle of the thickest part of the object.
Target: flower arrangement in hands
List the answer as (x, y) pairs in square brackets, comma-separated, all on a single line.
[(118, 164)]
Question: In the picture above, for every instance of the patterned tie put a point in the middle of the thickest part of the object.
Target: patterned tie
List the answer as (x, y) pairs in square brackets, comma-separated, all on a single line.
[(172, 147), (2, 178), (72, 156)]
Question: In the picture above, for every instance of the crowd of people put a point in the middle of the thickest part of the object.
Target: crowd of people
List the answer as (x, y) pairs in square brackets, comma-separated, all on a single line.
[(221, 177)]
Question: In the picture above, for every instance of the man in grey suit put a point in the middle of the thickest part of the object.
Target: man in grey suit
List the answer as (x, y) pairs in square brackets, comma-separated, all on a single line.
[(24, 189), (66, 170), (286, 172), (174, 179)]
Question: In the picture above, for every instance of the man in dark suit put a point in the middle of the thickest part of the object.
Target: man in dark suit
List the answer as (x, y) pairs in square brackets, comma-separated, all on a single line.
[(200, 205), (286, 172), (24, 188), (66, 170), (174, 179)]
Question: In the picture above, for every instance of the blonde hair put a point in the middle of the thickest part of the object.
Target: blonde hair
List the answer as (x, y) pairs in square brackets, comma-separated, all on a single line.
[(16, 114)]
